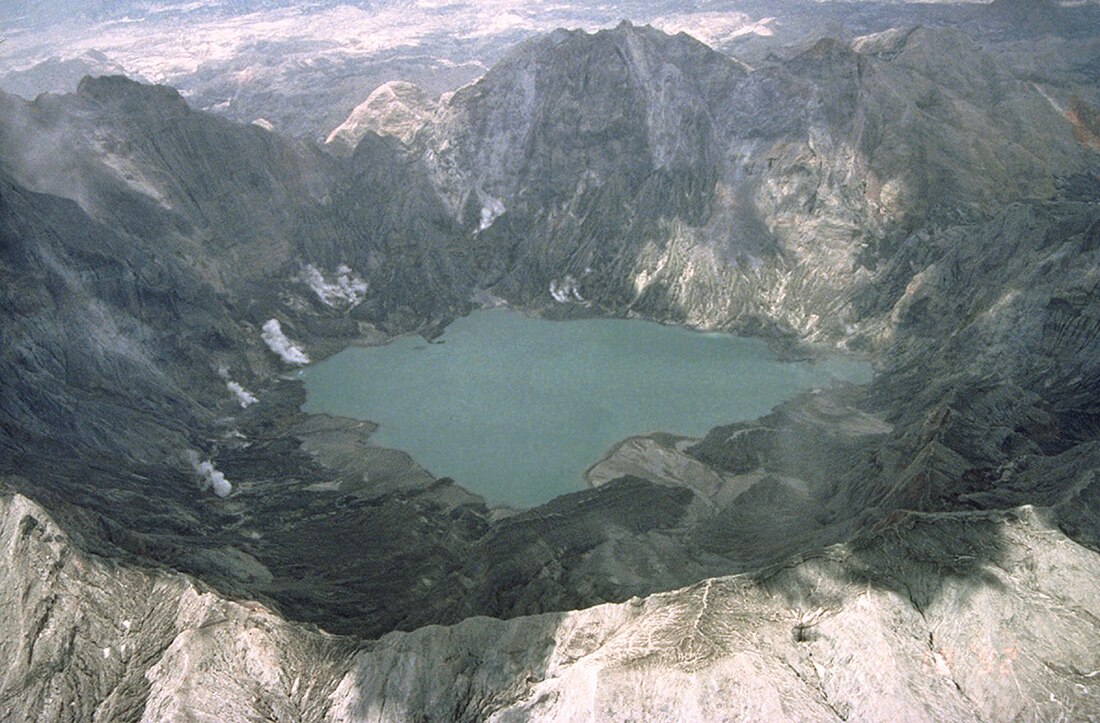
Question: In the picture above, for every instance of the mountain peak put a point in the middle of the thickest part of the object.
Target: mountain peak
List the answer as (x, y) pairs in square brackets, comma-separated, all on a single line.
[(627, 27), (587, 105), (396, 108), (118, 90)]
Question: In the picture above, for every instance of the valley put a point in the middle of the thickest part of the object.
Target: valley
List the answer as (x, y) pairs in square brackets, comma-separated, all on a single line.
[(921, 544)]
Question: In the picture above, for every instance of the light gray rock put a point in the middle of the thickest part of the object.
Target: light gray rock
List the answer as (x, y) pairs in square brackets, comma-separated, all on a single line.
[(927, 618), (966, 615), (395, 109), (87, 638)]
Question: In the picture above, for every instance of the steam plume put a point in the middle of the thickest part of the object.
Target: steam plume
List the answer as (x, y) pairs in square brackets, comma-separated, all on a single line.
[(244, 397), (210, 475), (277, 342), (346, 290)]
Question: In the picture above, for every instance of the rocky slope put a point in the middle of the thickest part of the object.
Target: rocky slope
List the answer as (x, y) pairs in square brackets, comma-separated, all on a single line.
[(143, 257), (904, 195), (662, 178), (89, 639), (965, 615), (952, 617)]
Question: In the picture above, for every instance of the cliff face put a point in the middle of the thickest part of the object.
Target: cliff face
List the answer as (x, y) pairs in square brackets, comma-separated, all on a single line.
[(669, 180), (923, 546), (238, 204)]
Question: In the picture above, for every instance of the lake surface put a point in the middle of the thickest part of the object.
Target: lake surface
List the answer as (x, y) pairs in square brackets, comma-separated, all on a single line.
[(516, 408)]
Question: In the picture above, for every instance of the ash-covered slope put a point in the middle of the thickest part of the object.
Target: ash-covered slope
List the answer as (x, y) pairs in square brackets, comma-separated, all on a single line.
[(88, 639), (903, 195), (951, 616), (985, 616), (138, 231)]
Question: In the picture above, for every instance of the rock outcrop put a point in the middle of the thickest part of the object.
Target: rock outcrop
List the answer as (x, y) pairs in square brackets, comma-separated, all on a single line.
[(86, 638), (395, 109)]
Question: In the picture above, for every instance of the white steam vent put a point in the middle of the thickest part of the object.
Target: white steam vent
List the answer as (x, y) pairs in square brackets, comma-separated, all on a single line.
[(211, 477), (345, 290), (277, 342), (566, 290), (244, 397)]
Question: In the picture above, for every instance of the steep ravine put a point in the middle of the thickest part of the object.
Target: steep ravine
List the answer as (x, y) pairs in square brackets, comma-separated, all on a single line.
[(922, 547)]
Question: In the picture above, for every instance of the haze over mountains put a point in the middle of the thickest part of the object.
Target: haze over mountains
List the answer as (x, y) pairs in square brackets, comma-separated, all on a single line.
[(304, 68), (860, 177)]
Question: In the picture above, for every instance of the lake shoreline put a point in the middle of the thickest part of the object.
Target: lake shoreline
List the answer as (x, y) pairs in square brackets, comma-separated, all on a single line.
[(604, 375)]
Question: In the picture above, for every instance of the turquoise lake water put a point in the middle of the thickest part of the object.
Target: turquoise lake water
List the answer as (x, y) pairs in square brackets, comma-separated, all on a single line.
[(516, 408)]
